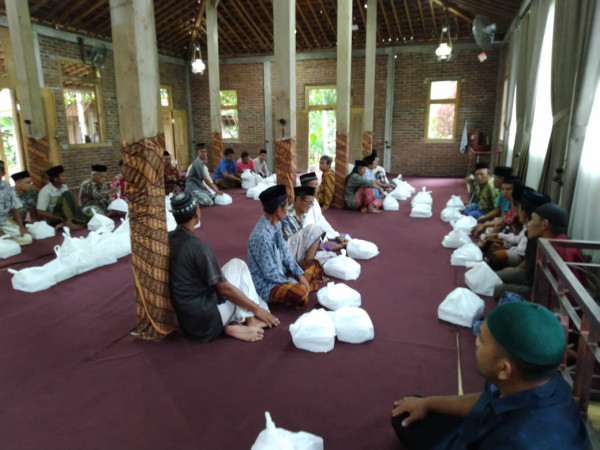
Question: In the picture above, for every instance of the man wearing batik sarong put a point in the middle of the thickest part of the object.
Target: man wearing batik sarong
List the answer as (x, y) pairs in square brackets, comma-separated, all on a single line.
[(277, 276), (57, 205), (94, 194), (303, 239), (9, 205)]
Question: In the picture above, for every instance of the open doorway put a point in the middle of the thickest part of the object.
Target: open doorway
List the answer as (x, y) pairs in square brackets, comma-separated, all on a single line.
[(10, 150), (321, 104)]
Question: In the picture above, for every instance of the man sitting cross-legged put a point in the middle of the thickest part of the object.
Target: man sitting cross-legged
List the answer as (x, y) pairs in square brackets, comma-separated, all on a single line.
[(226, 175), (198, 179), (26, 196), (205, 302), (526, 404), (57, 205), (315, 215), (303, 239), (94, 193), (277, 276), (486, 196), (9, 206)]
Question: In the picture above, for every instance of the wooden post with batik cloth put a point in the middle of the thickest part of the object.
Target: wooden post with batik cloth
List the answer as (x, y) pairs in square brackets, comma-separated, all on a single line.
[(285, 165)]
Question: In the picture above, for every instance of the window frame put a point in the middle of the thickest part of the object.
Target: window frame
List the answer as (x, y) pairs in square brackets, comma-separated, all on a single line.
[(455, 101), (229, 107), (96, 81)]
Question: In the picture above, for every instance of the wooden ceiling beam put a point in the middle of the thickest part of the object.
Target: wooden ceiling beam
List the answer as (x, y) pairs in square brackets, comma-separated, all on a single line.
[(268, 30), (197, 23), (329, 22), (396, 21), (387, 24), (457, 25), (238, 43), (318, 20), (454, 9), (305, 21), (422, 18), (73, 7), (431, 7), (251, 25), (410, 27), (168, 17), (33, 9), (90, 10)]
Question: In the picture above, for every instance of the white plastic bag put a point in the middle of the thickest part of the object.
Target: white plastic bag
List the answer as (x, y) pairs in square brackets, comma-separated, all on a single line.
[(8, 247), (314, 331), (272, 438), (61, 268), (390, 203), (450, 213), (335, 296), (461, 307), (248, 180), (399, 182), (481, 279), (171, 222), (72, 245), (258, 190), (120, 205), (423, 197), (456, 239), (468, 255), (360, 249), (421, 210), (40, 230), (342, 267), (465, 223), (353, 325), (455, 202), (401, 192), (100, 221), (223, 200), (323, 256), (32, 279), (102, 255)]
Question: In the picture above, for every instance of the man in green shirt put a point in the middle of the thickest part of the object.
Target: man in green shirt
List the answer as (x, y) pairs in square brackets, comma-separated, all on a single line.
[(486, 193)]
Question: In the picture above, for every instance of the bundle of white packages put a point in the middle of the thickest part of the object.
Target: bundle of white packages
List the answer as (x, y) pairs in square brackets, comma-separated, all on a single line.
[(259, 189), (456, 239), (450, 213), (342, 267), (481, 279), (390, 203), (8, 247), (32, 279), (248, 180), (468, 255), (120, 205), (353, 325), (314, 331), (424, 196), (421, 210), (465, 223), (272, 438), (335, 296), (455, 202), (361, 249), (100, 221), (40, 230), (461, 307), (223, 199)]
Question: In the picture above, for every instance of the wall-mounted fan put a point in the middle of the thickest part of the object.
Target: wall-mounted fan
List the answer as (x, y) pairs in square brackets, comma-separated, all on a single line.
[(485, 32), (94, 56)]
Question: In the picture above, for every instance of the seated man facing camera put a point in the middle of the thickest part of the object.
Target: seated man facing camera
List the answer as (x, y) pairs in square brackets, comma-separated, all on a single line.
[(205, 302), (526, 404)]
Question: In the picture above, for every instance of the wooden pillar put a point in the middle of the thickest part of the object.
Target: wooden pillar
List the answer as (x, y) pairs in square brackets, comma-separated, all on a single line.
[(342, 135), (284, 18), (137, 80), (370, 57), (28, 90), (214, 82)]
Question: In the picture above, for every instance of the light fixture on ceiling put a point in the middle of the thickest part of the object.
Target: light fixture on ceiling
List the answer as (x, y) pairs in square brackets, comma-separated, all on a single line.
[(444, 50), (198, 65)]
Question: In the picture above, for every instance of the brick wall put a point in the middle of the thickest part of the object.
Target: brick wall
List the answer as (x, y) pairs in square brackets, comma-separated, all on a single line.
[(78, 159), (411, 154)]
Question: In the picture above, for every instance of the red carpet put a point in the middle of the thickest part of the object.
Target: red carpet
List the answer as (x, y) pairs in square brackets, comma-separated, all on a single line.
[(72, 377)]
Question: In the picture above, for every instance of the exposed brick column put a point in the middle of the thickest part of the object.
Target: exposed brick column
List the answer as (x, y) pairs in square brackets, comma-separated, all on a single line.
[(285, 164), (367, 143), (216, 149), (143, 169), (38, 155), (342, 149)]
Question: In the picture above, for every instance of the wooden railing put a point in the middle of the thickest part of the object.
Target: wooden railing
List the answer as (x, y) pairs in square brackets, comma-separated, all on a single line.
[(572, 291)]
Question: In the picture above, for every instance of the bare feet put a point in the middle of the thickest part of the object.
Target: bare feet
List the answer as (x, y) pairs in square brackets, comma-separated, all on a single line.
[(363, 209), (254, 322), (245, 333), (323, 280), (373, 210), (74, 226), (59, 226)]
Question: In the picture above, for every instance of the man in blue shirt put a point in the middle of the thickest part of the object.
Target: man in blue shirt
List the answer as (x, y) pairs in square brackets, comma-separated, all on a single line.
[(226, 175), (526, 405)]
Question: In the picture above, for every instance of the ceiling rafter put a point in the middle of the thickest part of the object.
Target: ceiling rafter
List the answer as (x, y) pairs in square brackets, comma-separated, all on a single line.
[(454, 9), (73, 7), (33, 9), (312, 33), (387, 24), (267, 29), (197, 23), (422, 17), (397, 22), (251, 25), (238, 42), (318, 21), (435, 28), (329, 22), (410, 27)]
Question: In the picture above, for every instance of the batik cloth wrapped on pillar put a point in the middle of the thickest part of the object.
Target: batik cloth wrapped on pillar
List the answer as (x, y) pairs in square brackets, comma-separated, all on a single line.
[(341, 168), (285, 164)]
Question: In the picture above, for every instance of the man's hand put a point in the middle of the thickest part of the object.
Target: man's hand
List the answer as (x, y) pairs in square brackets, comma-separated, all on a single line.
[(415, 407), (266, 317), (304, 282), (218, 192), (23, 230)]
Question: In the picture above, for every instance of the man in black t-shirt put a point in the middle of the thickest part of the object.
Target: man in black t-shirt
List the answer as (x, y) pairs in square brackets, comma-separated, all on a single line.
[(205, 302)]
